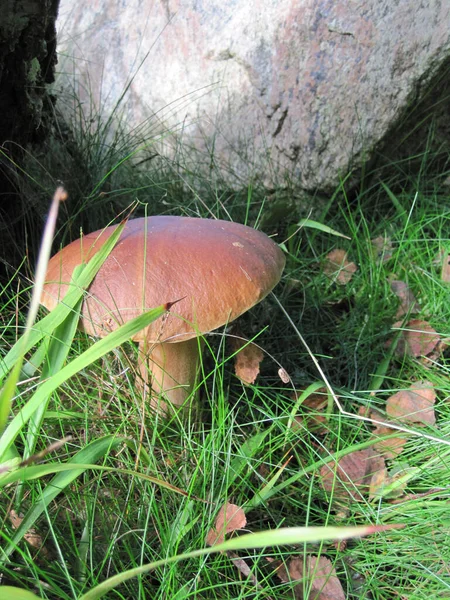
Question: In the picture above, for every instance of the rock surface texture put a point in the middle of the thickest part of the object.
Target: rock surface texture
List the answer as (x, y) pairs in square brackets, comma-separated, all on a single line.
[(304, 87)]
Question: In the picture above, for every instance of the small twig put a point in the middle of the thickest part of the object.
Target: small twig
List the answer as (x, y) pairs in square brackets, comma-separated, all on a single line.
[(38, 456)]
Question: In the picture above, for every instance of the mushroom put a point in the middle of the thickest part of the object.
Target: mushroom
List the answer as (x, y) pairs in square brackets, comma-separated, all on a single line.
[(216, 269)]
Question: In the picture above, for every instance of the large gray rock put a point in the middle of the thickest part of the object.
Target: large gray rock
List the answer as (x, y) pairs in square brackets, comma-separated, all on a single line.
[(304, 87)]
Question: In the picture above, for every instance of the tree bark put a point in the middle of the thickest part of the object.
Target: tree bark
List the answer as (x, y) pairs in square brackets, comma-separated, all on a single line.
[(27, 63)]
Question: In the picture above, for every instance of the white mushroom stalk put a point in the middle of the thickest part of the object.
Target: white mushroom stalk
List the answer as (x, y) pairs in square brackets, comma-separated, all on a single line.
[(170, 371)]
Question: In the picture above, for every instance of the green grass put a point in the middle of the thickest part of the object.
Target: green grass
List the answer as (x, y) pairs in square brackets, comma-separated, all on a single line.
[(146, 489)]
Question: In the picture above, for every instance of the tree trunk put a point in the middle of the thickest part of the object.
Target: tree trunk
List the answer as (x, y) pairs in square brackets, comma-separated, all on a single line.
[(27, 62)]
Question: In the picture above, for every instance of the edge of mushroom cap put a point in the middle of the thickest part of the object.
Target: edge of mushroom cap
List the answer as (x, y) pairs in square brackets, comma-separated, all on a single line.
[(251, 266)]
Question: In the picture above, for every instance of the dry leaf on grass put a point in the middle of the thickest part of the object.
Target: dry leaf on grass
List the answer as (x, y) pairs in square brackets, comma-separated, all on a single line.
[(445, 272), (230, 518), (417, 339), (382, 248), (338, 268), (247, 361), (350, 479), (377, 483), (33, 538), (442, 260), (316, 575), (408, 303), (415, 405), (391, 447), (382, 480), (314, 418)]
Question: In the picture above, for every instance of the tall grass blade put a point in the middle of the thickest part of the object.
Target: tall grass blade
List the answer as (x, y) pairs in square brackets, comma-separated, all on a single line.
[(57, 352), (9, 592), (91, 453), (114, 339), (7, 393), (64, 308), (263, 539), (321, 227)]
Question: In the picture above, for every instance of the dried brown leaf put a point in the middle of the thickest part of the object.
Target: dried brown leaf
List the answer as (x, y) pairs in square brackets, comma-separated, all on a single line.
[(319, 575), (442, 261), (415, 405), (350, 479), (230, 518), (247, 361), (408, 303), (381, 480), (445, 271), (377, 483), (417, 339), (33, 538), (388, 448), (338, 268), (382, 248), (391, 447), (313, 406)]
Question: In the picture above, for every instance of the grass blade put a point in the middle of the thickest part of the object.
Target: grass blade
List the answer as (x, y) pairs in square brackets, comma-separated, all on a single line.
[(64, 308), (91, 453), (276, 537), (9, 592), (321, 227), (7, 393), (58, 349), (114, 339), (38, 471)]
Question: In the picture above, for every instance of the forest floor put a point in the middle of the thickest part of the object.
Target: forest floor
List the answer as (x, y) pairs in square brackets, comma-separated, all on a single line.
[(343, 419)]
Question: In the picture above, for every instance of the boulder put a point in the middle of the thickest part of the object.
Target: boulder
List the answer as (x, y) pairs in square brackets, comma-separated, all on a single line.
[(268, 89)]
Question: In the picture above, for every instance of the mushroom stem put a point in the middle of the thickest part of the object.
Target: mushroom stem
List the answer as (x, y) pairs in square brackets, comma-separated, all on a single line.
[(169, 370)]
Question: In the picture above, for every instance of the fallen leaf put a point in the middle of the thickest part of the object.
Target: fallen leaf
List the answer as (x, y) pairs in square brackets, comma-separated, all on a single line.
[(377, 483), (417, 339), (415, 405), (247, 361), (442, 261), (338, 268), (390, 448), (382, 248), (382, 480), (230, 518), (316, 574), (445, 271), (313, 406), (33, 538), (350, 479), (408, 303)]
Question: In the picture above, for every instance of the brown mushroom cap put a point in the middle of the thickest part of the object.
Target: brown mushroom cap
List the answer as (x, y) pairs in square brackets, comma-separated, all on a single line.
[(220, 269)]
